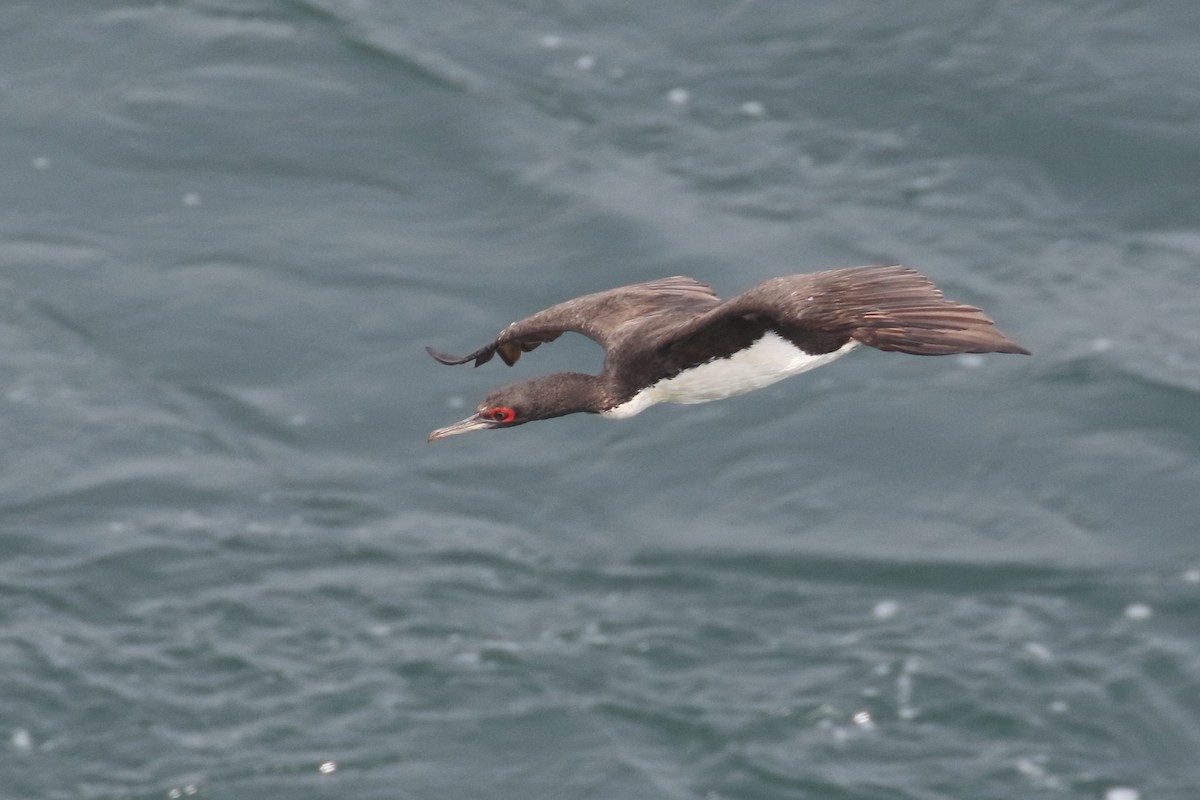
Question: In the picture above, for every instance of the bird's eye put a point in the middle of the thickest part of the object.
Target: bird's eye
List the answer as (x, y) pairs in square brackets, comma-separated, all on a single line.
[(502, 414)]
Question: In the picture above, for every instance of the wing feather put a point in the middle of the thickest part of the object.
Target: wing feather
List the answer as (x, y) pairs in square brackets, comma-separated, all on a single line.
[(604, 317), (888, 307)]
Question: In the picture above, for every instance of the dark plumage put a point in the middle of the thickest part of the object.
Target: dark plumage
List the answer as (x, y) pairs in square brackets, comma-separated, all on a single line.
[(656, 331)]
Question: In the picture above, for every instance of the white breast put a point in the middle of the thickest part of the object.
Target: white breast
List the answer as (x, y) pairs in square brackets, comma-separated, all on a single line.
[(772, 358)]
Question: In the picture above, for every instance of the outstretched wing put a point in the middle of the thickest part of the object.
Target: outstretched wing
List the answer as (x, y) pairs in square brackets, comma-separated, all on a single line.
[(604, 317), (889, 307)]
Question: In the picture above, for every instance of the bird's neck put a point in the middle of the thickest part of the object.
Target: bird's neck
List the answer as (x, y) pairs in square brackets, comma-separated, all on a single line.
[(573, 393)]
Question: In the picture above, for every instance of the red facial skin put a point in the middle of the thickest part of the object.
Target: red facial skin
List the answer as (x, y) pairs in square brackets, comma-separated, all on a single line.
[(501, 414)]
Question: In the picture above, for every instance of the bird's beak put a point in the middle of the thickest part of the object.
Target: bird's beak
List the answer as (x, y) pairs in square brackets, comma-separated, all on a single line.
[(471, 423)]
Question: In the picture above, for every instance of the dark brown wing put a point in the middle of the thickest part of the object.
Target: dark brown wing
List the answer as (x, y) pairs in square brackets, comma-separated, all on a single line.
[(888, 307), (604, 317)]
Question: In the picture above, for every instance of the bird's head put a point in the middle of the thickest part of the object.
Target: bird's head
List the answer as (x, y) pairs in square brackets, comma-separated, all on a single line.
[(527, 401)]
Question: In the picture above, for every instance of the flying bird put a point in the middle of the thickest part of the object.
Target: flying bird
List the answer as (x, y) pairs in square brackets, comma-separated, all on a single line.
[(673, 340)]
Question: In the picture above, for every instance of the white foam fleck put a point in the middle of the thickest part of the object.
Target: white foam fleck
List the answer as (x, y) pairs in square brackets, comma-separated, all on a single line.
[(1039, 651), (1030, 767), (752, 108), (468, 657), (1138, 611), (885, 609), (678, 96), (970, 361), (904, 690), (1121, 793), (22, 740), (327, 767), (1034, 768)]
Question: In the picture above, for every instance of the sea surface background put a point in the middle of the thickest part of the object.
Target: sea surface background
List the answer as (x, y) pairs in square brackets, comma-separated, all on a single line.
[(231, 567)]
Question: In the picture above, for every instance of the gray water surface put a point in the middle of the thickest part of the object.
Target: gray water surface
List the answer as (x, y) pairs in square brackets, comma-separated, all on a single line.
[(232, 568)]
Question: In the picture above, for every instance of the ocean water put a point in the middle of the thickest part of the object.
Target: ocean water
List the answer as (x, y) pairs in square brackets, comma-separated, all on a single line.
[(233, 568)]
